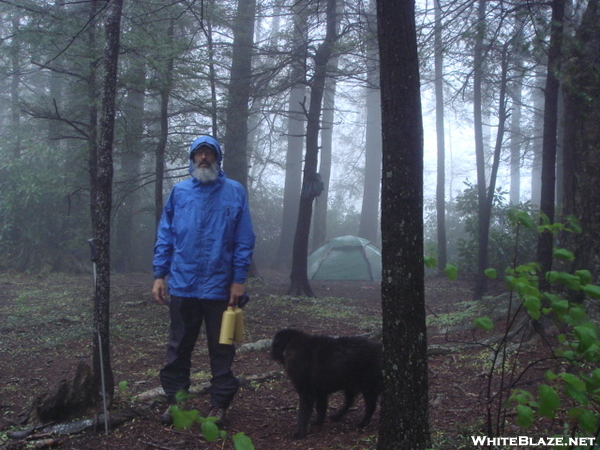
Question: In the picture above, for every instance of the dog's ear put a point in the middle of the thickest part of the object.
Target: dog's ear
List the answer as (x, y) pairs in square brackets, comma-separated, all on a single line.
[(281, 341), (278, 347)]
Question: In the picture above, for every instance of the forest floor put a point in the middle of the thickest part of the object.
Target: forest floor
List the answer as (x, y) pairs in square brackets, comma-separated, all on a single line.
[(45, 331)]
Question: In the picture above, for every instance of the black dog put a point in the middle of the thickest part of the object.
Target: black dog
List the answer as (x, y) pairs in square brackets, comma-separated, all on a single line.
[(321, 365)]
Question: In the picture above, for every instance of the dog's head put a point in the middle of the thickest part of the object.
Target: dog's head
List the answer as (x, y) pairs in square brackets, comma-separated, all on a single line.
[(281, 341)]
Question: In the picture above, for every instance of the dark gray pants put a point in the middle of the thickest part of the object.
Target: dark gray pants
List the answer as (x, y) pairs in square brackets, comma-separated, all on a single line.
[(187, 315)]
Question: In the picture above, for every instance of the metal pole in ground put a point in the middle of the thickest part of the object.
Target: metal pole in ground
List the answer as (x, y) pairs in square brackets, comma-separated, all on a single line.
[(94, 259)]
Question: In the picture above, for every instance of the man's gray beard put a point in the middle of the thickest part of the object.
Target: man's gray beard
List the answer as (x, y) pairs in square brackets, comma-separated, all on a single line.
[(206, 174)]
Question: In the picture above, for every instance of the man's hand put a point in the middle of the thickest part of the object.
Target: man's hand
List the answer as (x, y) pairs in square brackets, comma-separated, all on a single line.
[(159, 291), (235, 292)]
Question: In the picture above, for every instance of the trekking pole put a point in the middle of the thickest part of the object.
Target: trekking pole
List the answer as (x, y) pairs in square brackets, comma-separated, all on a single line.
[(94, 258), (103, 383)]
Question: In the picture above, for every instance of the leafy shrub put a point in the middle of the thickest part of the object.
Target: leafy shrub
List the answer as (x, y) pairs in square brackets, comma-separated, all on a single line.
[(571, 391), (42, 222), (185, 419), (504, 243), (462, 232)]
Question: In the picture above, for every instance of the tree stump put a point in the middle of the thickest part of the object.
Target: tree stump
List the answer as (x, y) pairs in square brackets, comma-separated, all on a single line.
[(69, 399)]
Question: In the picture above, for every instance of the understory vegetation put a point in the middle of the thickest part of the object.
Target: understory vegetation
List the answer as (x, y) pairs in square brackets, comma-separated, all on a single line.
[(565, 400)]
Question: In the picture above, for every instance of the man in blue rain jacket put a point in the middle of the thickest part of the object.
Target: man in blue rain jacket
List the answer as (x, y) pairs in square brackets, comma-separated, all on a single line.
[(204, 246)]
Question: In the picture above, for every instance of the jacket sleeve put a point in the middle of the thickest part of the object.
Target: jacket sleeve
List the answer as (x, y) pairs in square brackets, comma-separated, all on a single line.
[(244, 243), (163, 248)]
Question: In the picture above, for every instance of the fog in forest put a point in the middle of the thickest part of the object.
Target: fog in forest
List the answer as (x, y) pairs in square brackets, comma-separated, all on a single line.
[(458, 139), (194, 68)]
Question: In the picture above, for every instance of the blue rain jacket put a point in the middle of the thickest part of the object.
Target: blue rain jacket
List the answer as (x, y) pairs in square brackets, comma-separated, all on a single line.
[(205, 238)]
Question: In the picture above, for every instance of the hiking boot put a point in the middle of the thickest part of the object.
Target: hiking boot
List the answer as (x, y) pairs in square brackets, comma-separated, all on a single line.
[(219, 413), (180, 400), (166, 418)]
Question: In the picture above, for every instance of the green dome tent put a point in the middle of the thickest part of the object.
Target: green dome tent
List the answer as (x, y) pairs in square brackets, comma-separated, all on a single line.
[(345, 258)]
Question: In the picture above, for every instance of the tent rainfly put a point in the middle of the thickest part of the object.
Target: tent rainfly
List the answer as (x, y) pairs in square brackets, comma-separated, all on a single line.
[(345, 258)]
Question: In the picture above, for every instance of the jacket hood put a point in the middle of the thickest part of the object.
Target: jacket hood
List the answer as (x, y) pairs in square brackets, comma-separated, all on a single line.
[(209, 141)]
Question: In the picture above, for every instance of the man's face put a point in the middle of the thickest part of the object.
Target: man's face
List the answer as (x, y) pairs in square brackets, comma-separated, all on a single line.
[(204, 157), (206, 169)]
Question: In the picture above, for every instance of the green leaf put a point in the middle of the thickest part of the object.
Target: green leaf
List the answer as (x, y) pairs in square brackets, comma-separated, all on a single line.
[(210, 430), (592, 291), (491, 273), (574, 413), (571, 281), (525, 219), (563, 253), (485, 323), (592, 353), (430, 262), (123, 385), (181, 396), (585, 276), (550, 375), (574, 224), (526, 288), (524, 416), (589, 422), (533, 306), (183, 419), (549, 401), (522, 397), (586, 336), (572, 380), (451, 272), (242, 442), (576, 313), (575, 388), (510, 282), (558, 305)]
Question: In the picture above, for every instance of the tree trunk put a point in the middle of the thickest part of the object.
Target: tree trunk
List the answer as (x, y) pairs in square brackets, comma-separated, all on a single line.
[(320, 220), (538, 131), (103, 376), (57, 83), (404, 410), (483, 230), (582, 142), (295, 140), (236, 135), (165, 93), (440, 193), (485, 218), (311, 187), (515, 93), (15, 84), (369, 214), (93, 112), (502, 115), (547, 201), (130, 158)]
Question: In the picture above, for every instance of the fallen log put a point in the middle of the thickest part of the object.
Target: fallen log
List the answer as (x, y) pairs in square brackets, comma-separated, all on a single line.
[(202, 388), (96, 423)]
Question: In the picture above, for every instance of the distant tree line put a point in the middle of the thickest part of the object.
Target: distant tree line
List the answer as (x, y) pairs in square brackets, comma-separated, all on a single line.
[(190, 68)]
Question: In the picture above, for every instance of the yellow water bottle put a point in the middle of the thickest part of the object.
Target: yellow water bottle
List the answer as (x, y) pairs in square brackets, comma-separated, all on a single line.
[(227, 326), (238, 334)]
